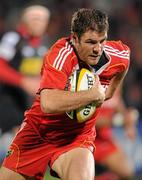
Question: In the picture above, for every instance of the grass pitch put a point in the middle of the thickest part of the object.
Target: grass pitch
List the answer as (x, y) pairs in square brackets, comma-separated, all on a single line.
[(48, 177)]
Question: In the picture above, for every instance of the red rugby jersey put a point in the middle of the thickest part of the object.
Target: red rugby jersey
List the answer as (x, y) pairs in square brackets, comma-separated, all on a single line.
[(59, 63)]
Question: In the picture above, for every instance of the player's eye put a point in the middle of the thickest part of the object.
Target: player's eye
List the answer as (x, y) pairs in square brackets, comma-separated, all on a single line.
[(103, 40), (91, 42)]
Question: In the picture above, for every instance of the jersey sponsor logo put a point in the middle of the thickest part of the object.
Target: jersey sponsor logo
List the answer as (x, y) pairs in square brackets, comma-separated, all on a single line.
[(115, 52), (62, 56)]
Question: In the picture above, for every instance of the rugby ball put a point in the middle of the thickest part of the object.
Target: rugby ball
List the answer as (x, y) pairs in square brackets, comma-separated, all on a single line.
[(82, 80)]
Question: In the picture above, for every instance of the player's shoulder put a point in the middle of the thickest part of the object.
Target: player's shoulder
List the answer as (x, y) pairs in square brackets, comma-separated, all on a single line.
[(116, 45), (117, 49), (119, 54), (61, 54), (62, 44)]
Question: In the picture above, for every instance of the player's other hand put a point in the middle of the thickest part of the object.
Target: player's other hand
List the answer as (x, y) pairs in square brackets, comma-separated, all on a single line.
[(98, 91), (30, 85)]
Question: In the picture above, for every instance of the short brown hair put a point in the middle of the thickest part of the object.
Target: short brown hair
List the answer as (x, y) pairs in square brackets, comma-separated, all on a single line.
[(85, 19)]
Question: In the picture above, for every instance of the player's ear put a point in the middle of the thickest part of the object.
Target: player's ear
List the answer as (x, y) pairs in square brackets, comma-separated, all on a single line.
[(75, 37)]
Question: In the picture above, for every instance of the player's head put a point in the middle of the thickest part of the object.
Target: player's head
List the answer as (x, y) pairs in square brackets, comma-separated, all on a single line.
[(36, 19), (89, 29)]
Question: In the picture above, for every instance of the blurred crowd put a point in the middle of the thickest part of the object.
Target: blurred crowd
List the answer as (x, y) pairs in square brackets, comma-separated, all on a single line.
[(126, 25)]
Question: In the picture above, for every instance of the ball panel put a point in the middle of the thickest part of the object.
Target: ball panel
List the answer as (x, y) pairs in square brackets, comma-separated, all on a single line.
[(82, 80), (85, 80), (85, 113)]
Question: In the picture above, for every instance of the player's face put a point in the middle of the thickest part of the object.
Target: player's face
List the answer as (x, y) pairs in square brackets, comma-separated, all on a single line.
[(90, 46)]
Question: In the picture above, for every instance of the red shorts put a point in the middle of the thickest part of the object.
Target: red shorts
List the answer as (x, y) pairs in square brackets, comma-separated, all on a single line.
[(104, 148), (29, 154)]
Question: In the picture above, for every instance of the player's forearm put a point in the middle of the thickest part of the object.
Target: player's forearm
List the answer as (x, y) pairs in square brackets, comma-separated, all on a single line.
[(114, 84), (57, 101)]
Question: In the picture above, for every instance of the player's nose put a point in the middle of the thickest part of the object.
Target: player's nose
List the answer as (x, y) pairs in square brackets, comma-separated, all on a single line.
[(97, 48)]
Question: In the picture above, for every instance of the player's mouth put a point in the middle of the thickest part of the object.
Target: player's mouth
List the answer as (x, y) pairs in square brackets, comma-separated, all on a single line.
[(94, 56)]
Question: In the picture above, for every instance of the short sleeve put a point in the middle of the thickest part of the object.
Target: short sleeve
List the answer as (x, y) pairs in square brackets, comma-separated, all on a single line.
[(52, 78)]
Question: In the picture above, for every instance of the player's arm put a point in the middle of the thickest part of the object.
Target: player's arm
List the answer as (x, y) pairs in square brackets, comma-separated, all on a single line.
[(58, 101), (115, 81)]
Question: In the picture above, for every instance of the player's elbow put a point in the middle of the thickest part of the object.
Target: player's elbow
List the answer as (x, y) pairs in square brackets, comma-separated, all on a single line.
[(47, 107), (47, 102), (44, 108)]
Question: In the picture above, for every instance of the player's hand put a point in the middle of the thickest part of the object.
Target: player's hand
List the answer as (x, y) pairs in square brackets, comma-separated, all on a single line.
[(30, 85), (98, 91)]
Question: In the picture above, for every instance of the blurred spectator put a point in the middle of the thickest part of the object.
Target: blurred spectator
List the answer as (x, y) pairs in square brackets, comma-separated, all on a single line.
[(21, 53), (109, 153)]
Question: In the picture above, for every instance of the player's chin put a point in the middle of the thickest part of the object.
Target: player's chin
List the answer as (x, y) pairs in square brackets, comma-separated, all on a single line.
[(92, 61)]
